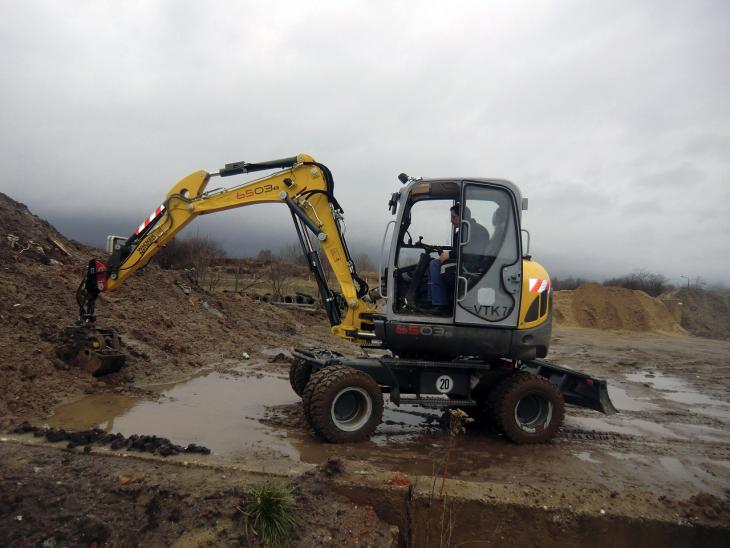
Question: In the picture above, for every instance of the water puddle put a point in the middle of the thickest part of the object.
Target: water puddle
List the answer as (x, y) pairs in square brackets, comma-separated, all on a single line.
[(585, 456), (623, 402), (675, 389), (224, 412), (245, 416), (215, 410)]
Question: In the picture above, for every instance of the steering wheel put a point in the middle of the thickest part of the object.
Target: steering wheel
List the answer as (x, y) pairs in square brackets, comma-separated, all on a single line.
[(427, 247)]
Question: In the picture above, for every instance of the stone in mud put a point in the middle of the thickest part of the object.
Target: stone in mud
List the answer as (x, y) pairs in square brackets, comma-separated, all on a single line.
[(192, 448), (118, 444), (24, 428), (54, 435)]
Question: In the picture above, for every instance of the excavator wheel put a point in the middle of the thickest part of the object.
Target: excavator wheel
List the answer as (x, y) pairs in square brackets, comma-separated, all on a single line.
[(299, 373), (482, 394), (526, 408), (342, 404)]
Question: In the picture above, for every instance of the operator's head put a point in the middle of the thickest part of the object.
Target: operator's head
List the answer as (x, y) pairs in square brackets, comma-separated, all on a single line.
[(455, 212)]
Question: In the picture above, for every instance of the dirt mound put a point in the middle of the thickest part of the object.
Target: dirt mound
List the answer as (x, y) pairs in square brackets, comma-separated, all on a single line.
[(26, 234), (600, 307), (702, 313), (168, 331)]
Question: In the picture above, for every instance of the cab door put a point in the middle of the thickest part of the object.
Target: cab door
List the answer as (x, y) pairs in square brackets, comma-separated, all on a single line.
[(489, 260)]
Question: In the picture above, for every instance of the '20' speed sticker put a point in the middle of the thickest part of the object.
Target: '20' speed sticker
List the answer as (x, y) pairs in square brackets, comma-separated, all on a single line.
[(444, 384)]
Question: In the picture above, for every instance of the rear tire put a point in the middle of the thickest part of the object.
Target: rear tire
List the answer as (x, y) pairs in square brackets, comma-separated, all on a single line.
[(342, 404), (526, 408), (299, 373)]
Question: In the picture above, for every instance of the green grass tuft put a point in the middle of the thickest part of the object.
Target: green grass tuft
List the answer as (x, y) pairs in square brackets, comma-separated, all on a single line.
[(270, 513)]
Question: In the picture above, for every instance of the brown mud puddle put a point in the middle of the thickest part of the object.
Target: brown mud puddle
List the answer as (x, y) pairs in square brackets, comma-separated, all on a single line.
[(257, 418), (223, 411)]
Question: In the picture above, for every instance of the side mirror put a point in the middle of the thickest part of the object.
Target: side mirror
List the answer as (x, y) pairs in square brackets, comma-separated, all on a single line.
[(114, 243), (393, 203)]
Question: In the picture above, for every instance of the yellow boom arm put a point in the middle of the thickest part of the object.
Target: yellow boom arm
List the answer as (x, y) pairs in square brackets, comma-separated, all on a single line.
[(304, 185)]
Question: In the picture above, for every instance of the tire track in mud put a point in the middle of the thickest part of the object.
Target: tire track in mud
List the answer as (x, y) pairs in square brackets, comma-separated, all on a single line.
[(631, 443)]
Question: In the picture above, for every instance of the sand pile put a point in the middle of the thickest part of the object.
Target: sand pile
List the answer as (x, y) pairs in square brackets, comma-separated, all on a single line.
[(599, 307)]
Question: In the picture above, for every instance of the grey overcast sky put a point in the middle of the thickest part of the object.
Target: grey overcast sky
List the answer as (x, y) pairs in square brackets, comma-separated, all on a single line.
[(612, 116)]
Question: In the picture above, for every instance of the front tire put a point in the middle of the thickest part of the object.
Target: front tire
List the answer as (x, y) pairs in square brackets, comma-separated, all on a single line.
[(342, 404), (527, 408)]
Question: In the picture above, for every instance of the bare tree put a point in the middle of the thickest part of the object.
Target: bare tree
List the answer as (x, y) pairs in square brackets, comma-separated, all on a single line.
[(196, 255), (569, 283), (648, 282), (240, 283), (265, 256), (292, 253), (279, 278)]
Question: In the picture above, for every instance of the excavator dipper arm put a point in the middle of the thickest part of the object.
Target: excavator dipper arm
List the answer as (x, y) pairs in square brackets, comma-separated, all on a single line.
[(303, 185)]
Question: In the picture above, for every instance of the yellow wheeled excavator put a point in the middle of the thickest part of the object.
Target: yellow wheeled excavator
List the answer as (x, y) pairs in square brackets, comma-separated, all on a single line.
[(481, 351)]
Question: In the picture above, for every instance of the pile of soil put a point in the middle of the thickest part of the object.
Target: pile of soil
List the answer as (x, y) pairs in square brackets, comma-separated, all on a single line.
[(599, 307), (168, 331), (701, 312)]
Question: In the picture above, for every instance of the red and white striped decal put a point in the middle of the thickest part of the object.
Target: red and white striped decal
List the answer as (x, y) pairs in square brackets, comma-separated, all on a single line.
[(537, 285), (151, 219)]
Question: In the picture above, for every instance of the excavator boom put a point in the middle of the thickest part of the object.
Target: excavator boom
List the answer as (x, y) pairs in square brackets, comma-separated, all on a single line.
[(303, 185)]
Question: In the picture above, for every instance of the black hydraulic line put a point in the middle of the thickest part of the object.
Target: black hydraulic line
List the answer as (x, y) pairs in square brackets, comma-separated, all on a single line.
[(330, 181), (315, 266), (299, 212), (305, 248), (236, 168)]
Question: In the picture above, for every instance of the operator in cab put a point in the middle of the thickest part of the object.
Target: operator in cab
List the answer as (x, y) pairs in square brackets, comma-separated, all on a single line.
[(442, 270)]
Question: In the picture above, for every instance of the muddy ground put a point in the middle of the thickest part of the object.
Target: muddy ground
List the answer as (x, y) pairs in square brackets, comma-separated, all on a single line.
[(211, 369), (660, 469)]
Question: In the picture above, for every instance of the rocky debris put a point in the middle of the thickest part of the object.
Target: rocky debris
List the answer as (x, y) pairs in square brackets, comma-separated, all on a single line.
[(281, 358), (136, 442), (212, 311), (333, 466)]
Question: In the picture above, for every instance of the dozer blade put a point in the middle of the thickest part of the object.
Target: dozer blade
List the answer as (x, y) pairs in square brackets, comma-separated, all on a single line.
[(577, 388), (97, 351)]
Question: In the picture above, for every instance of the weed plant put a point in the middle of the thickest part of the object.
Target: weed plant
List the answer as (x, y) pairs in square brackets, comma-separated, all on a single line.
[(270, 513)]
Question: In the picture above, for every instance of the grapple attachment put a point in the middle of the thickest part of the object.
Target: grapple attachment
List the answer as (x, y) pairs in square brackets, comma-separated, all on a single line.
[(97, 351)]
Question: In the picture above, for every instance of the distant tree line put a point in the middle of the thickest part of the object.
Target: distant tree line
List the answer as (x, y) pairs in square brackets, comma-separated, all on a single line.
[(205, 263), (569, 283), (649, 282), (200, 257)]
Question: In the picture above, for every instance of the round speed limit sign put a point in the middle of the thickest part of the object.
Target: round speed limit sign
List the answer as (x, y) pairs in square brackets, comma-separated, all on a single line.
[(444, 384)]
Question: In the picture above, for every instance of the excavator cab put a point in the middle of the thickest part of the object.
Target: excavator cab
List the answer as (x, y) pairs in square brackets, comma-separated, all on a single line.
[(470, 303)]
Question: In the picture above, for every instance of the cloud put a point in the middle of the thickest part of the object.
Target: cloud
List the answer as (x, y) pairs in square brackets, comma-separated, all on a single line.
[(613, 118)]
